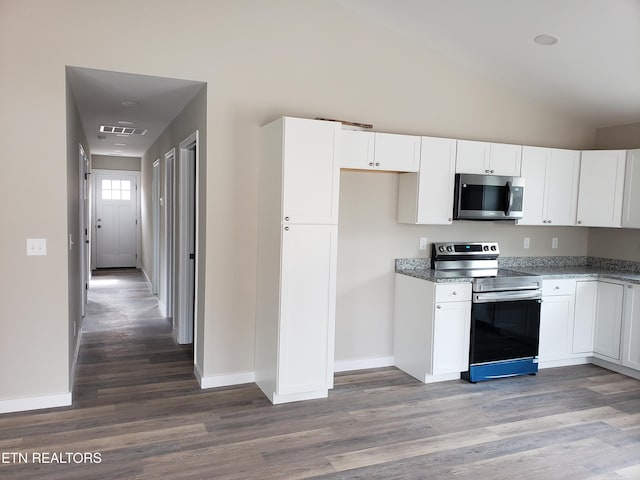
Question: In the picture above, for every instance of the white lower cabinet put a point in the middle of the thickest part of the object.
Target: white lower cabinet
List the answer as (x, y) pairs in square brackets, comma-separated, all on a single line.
[(598, 319), (608, 324), (556, 321), (432, 325), (631, 327), (585, 316)]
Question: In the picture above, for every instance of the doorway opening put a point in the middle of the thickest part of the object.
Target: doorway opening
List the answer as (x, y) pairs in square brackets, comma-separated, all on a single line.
[(134, 217)]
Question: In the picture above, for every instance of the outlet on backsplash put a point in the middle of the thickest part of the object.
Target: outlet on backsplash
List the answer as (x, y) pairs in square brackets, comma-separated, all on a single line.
[(554, 242), (527, 242)]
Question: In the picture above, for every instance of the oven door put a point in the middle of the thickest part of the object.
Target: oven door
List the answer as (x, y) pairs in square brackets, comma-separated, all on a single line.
[(504, 330)]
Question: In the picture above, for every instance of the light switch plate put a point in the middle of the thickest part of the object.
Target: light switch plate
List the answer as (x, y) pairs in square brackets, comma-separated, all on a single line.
[(36, 246)]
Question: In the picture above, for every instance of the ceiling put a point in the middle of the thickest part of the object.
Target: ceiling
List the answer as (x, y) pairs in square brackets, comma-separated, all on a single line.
[(593, 71), (99, 95)]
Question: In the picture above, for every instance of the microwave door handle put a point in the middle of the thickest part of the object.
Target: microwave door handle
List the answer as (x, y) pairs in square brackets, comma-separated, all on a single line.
[(509, 190)]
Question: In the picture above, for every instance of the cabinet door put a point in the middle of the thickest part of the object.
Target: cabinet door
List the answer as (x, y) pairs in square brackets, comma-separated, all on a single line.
[(355, 149), (398, 153), (556, 322), (505, 159), (561, 192), (631, 202), (452, 326), (426, 197), (601, 188), (472, 157), (631, 325), (608, 320), (311, 174), (307, 308), (534, 171), (585, 312)]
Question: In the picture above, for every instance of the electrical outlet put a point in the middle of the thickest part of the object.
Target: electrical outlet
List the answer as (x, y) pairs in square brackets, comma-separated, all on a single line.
[(527, 241), (423, 243), (554, 242)]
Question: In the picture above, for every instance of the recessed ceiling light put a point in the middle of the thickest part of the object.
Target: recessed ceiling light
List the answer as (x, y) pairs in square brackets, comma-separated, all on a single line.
[(120, 144), (124, 122), (546, 39), (130, 104)]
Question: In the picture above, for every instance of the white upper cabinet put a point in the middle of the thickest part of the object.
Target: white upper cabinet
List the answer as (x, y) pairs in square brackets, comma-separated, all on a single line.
[(551, 186), (310, 172), (426, 197), (398, 153), (488, 158), (356, 149), (379, 151), (631, 202), (601, 188)]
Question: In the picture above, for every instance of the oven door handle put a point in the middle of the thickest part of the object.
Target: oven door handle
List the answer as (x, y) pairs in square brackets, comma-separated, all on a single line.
[(489, 297)]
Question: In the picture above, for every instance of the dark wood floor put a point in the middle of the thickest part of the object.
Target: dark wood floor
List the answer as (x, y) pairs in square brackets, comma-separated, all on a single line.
[(138, 405)]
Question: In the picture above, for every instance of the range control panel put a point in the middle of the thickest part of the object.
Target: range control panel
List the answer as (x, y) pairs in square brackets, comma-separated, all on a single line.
[(455, 249)]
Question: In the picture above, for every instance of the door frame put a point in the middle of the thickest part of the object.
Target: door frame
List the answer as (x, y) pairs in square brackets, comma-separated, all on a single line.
[(184, 330), (84, 231), (94, 174), (167, 277), (155, 226)]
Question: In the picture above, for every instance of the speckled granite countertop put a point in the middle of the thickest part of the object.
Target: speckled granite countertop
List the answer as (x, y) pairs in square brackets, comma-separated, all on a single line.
[(544, 266)]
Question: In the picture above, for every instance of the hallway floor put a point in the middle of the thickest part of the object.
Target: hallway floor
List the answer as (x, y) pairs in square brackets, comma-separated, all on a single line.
[(138, 409)]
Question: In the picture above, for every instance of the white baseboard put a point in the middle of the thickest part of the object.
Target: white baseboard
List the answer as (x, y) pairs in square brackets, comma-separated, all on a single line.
[(163, 308), (564, 362), (72, 374), (147, 278), (362, 364), (35, 403), (629, 372), (223, 380)]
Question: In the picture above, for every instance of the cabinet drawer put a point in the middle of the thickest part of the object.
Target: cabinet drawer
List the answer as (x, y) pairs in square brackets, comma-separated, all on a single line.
[(453, 292), (558, 287)]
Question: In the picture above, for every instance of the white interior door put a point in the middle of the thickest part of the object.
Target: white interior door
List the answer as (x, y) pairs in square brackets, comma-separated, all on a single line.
[(116, 220)]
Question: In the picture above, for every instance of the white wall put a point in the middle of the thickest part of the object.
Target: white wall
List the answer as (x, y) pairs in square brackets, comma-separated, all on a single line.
[(260, 60), (108, 162)]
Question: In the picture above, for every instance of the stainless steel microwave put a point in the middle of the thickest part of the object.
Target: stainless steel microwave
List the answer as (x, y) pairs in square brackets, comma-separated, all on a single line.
[(488, 197)]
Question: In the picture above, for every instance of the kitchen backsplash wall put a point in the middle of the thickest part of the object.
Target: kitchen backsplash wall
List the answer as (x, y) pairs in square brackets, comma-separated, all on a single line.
[(622, 244)]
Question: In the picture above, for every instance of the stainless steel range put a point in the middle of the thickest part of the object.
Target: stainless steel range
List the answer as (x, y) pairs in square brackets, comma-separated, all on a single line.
[(505, 310)]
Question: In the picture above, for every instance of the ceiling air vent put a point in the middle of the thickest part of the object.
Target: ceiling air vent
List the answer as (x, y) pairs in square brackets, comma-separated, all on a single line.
[(123, 130)]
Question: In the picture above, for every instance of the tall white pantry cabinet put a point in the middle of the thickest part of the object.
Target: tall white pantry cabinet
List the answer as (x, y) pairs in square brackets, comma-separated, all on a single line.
[(297, 259)]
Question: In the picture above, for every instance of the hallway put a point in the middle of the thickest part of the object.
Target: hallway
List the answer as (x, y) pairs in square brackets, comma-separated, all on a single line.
[(127, 351)]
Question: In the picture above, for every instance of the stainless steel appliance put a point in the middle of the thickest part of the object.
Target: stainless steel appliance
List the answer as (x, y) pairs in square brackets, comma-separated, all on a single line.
[(505, 309), (488, 197)]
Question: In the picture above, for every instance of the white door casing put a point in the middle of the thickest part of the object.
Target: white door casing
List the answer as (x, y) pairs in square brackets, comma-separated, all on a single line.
[(116, 218), (167, 268), (185, 312), (84, 230), (155, 219)]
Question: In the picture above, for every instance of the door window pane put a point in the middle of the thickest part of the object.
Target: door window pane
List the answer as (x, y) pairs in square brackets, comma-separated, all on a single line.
[(116, 189)]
